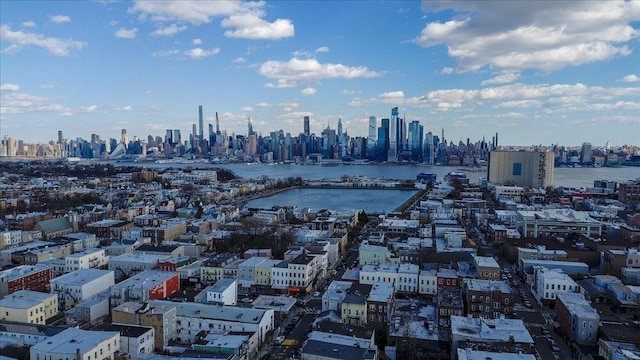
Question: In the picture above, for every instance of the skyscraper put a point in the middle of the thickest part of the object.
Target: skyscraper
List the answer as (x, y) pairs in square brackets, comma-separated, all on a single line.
[(201, 123), (306, 126), (124, 139), (249, 127), (521, 168), (429, 148), (415, 140), (371, 139), (383, 140), (392, 154)]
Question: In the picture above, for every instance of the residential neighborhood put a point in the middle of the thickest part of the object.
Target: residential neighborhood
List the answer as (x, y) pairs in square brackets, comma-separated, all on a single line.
[(159, 264)]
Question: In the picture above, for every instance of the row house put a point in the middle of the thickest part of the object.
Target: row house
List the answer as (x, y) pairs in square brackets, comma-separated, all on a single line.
[(167, 231), (212, 269), (10, 238), (548, 283), (75, 343), (79, 285), (108, 229), (487, 267), (25, 222), (147, 285), (379, 305), (333, 297), (488, 298), (302, 273), (29, 306), (428, 282), (129, 264), (450, 303), (374, 254), (247, 272), (25, 277), (81, 240), (354, 305), (175, 263), (578, 320), (50, 252), (160, 317), (193, 318), (223, 292), (87, 259), (557, 222)]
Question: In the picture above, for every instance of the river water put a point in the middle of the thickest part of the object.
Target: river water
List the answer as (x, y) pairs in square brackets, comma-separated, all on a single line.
[(379, 201), (565, 177)]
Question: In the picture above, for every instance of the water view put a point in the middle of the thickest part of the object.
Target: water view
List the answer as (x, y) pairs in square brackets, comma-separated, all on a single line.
[(371, 201)]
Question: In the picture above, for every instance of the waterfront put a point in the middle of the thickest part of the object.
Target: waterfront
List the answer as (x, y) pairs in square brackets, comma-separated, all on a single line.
[(373, 201), (565, 177)]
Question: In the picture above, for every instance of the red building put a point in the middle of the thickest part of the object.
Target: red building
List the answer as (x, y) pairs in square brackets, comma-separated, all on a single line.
[(25, 277)]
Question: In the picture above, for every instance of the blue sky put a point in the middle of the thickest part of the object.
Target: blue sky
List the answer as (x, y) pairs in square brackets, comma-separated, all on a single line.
[(536, 72)]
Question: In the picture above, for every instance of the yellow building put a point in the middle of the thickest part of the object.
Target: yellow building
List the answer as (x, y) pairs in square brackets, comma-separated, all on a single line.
[(28, 306), (354, 310)]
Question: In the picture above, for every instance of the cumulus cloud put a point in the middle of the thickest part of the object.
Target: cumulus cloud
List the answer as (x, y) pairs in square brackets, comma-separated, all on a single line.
[(169, 30), (631, 78), (322, 49), (28, 24), (305, 70), (126, 108), (245, 20), (251, 26), (20, 39), (350, 92), (23, 103), (126, 33), (502, 79), (198, 53), (309, 91), (59, 19), (88, 109), (546, 35), (196, 41), (9, 87)]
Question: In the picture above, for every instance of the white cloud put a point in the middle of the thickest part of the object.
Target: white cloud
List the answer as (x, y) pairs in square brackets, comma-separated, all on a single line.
[(164, 53), (350, 92), (281, 84), (239, 60), (305, 70), (322, 49), (196, 41), (502, 78), (251, 26), (48, 86), (546, 35), (169, 30), (20, 39), (245, 19), (59, 19), (194, 12), (309, 91), (9, 87), (88, 109), (247, 109), (631, 78), (23, 103), (126, 33), (520, 104), (198, 53), (446, 70), (263, 104), (28, 24), (126, 108)]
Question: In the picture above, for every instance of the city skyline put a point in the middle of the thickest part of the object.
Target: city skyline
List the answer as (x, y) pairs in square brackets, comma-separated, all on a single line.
[(570, 68)]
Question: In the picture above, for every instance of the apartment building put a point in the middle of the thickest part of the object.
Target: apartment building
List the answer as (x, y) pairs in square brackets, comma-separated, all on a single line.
[(488, 298), (548, 283), (25, 277), (80, 285), (578, 320), (28, 306), (74, 343)]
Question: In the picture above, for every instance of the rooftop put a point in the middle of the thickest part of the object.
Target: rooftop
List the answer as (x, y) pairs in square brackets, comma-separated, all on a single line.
[(72, 339), (206, 311), (490, 330), (81, 276)]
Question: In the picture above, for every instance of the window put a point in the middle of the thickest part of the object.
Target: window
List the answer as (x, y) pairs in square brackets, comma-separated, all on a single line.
[(517, 169)]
